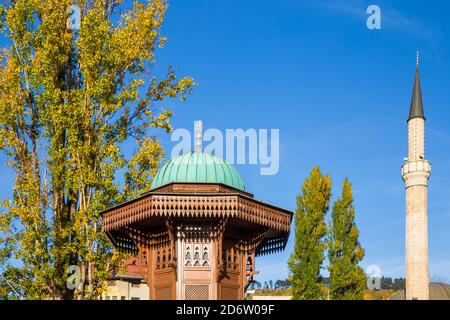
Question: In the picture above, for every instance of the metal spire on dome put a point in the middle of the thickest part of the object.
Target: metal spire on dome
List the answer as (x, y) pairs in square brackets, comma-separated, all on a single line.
[(416, 108), (198, 127)]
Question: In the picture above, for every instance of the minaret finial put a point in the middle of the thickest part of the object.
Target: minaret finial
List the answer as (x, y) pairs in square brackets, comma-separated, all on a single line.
[(198, 127), (417, 58), (416, 109)]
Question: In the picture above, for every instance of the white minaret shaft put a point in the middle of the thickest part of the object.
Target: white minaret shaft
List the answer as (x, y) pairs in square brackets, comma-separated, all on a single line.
[(415, 173)]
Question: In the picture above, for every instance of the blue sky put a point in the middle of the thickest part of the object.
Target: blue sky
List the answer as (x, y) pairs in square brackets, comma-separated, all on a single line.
[(340, 95), (338, 92)]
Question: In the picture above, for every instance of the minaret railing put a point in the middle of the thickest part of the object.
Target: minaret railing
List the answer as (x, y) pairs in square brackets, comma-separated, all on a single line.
[(416, 166)]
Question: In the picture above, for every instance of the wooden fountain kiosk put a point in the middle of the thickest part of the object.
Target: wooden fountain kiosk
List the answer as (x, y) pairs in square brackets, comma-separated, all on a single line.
[(196, 233)]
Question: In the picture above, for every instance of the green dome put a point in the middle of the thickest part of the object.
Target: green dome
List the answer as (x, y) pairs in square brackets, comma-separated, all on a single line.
[(198, 167)]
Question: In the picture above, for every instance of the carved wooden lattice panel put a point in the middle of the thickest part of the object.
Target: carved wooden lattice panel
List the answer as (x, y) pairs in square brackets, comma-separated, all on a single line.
[(196, 292), (196, 254)]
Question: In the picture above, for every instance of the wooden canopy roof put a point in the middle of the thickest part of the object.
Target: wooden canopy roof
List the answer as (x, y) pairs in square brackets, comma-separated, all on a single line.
[(195, 201)]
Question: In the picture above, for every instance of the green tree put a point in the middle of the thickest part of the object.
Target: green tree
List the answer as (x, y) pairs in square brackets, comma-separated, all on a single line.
[(310, 229), (386, 283), (347, 279), (399, 284), (70, 99)]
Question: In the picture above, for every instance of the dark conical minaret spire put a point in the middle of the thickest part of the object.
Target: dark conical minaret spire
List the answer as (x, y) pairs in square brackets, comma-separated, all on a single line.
[(416, 109)]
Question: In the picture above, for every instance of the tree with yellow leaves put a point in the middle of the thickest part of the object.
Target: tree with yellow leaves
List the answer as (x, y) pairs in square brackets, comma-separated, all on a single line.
[(307, 258), (347, 278), (70, 97)]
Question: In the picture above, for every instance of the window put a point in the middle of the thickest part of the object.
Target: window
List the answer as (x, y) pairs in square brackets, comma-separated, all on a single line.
[(123, 298), (111, 283), (198, 256), (135, 285), (114, 297), (108, 298), (135, 298)]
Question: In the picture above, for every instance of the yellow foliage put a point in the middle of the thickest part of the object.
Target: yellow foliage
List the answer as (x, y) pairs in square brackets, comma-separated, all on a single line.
[(69, 100)]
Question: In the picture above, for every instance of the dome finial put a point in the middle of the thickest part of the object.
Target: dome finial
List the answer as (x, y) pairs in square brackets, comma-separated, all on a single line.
[(417, 58), (198, 127)]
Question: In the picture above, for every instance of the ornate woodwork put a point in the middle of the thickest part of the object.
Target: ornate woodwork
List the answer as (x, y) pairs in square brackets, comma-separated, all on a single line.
[(196, 241)]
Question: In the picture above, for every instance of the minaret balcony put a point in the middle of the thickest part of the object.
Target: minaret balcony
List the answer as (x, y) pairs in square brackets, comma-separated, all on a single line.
[(416, 173), (416, 166)]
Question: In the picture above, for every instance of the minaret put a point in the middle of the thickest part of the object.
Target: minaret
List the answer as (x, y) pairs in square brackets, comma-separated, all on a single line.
[(415, 173)]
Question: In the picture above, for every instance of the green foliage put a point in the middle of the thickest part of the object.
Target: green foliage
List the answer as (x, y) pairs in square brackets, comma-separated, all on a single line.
[(388, 283), (282, 284), (310, 229), (347, 279), (68, 102)]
